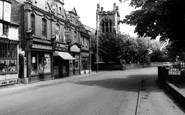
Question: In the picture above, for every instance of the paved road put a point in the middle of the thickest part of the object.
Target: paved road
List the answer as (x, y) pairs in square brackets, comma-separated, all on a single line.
[(105, 93)]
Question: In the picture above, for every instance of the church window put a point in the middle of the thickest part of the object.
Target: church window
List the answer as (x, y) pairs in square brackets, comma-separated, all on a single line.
[(106, 25)]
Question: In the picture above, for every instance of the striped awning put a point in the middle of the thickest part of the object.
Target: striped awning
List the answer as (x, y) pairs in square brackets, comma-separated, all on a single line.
[(64, 55)]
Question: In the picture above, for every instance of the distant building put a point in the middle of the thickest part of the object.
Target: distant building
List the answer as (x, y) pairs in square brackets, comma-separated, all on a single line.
[(92, 33), (108, 21)]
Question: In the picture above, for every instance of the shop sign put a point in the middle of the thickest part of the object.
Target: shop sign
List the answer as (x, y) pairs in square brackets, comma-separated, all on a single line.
[(39, 46), (7, 12), (61, 45), (85, 54), (74, 48), (60, 49), (1, 10), (7, 41), (1, 29)]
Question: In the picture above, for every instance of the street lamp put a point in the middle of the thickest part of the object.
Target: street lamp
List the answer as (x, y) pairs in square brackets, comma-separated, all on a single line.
[(97, 38)]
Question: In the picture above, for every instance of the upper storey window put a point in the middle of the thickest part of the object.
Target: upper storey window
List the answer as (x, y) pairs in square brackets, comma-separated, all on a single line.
[(33, 23), (44, 27)]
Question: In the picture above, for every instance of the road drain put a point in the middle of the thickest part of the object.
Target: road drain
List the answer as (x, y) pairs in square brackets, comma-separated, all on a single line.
[(139, 97)]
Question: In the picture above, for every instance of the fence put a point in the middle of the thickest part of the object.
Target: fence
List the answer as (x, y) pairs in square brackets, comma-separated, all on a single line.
[(175, 72), (177, 68)]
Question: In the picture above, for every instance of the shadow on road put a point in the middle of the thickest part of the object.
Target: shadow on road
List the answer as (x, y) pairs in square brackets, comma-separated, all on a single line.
[(130, 83)]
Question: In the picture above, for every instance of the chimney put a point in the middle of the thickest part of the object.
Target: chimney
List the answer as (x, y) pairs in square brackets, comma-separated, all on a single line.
[(114, 7), (117, 7), (98, 7), (101, 8)]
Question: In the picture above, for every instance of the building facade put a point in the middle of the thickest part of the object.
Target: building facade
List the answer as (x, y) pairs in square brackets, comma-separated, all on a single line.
[(74, 43), (85, 39), (9, 44), (51, 46)]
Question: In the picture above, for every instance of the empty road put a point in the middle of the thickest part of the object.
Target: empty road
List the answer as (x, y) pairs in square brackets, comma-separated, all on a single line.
[(103, 93)]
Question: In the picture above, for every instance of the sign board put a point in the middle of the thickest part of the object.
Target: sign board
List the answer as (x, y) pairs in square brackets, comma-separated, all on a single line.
[(85, 54), (61, 45), (75, 48), (39, 46), (1, 10), (7, 12)]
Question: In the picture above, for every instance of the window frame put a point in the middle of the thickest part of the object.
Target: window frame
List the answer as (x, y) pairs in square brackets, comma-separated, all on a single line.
[(44, 27), (33, 23)]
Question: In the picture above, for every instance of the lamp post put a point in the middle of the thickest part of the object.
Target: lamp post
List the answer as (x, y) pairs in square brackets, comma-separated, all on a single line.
[(97, 40)]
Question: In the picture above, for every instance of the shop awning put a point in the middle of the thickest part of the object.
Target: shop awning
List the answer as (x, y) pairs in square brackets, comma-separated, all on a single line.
[(64, 55)]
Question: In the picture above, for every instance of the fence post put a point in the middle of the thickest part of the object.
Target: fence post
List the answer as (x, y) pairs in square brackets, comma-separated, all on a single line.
[(162, 73)]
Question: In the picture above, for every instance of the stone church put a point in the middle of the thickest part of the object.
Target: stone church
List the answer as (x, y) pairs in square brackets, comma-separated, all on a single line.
[(108, 21)]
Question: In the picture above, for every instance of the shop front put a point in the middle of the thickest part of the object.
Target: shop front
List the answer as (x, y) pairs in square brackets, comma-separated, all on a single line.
[(8, 61), (62, 61), (75, 52), (41, 62), (85, 62), (9, 41)]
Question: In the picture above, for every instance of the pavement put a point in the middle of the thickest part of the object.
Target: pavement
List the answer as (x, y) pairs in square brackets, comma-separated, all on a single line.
[(154, 100), (176, 90), (8, 89)]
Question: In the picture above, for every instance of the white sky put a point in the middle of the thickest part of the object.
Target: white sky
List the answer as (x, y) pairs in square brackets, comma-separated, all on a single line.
[(86, 9)]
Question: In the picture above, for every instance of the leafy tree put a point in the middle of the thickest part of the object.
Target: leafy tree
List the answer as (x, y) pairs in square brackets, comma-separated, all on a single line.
[(159, 17), (129, 48), (109, 47), (157, 56)]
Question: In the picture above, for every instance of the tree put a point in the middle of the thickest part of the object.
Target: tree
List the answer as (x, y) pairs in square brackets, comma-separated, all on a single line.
[(159, 17), (109, 47)]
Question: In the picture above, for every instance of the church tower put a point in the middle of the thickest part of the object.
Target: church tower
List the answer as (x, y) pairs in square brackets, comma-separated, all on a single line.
[(108, 21)]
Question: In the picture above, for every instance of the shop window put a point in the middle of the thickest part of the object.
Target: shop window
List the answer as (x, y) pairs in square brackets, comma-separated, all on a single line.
[(47, 63), (76, 62), (70, 64), (8, 50), (41, 63), (84, 63), (8, 58), (34, 69)]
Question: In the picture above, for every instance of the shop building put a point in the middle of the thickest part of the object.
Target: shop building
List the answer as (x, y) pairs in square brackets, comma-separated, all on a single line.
[(50, 38), (85, 39), (44, 40), (9, 44), (74, 43)]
